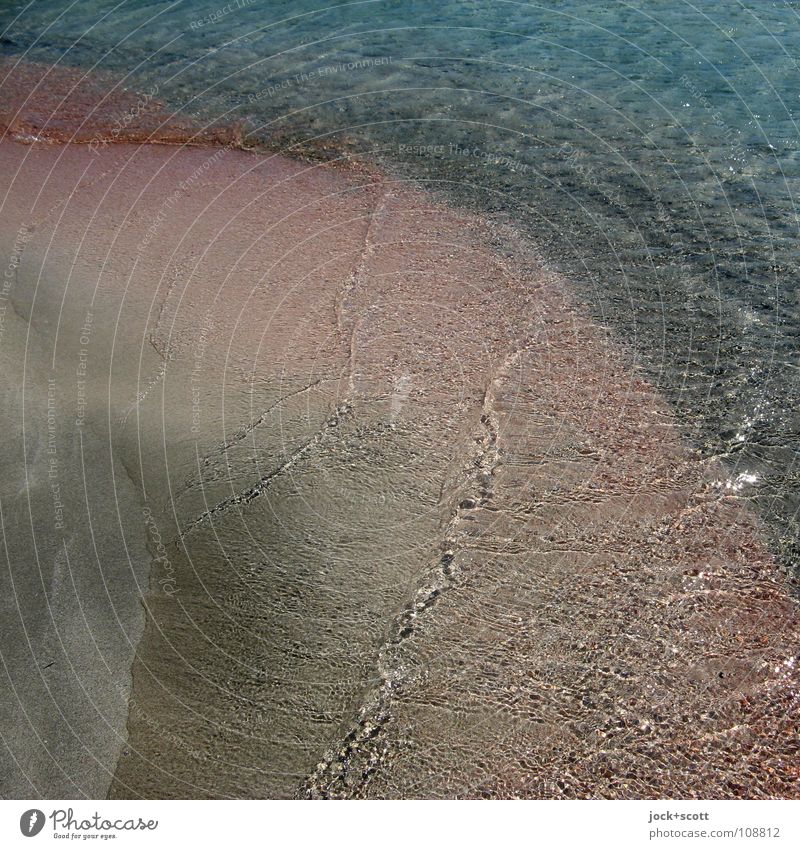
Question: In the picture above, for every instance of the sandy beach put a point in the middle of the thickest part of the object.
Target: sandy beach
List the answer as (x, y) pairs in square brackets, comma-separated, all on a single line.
[(316, 487)]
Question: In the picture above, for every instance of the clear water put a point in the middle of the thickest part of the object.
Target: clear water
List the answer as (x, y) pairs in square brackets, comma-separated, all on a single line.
[(651, 148)]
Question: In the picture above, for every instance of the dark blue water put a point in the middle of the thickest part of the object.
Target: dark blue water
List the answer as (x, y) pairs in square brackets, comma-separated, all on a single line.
[(650, 150)]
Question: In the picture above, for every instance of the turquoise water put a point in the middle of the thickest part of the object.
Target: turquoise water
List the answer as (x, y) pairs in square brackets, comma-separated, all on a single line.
[(650, 150)]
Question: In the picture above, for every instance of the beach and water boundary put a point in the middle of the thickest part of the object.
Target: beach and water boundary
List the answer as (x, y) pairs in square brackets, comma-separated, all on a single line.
[(469, 422)]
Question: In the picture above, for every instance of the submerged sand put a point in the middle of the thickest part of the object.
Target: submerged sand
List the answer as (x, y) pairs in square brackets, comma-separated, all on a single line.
[(355, 501)]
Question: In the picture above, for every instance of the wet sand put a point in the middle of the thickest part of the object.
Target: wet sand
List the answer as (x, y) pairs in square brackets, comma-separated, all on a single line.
[(355, 500)]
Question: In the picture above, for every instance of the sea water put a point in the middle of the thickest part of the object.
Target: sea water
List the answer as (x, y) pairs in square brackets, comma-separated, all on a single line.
[(650, 149)]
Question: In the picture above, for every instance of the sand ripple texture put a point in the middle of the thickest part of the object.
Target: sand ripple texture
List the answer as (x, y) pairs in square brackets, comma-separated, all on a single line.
[(357, 502)]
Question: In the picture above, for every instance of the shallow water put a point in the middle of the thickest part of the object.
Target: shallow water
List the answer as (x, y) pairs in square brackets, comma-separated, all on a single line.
[(650, 149), (425, 531)]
